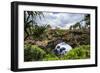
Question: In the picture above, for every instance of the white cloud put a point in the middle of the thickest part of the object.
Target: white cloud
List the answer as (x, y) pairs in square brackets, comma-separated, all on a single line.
[(61, 20)]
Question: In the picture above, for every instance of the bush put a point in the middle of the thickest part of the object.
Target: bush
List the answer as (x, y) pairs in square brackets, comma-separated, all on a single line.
[(82, 52), (39, 30), (33, 53), (50, 57)]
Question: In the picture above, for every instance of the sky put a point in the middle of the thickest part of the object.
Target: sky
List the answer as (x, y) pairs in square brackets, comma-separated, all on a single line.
[(59, 19)]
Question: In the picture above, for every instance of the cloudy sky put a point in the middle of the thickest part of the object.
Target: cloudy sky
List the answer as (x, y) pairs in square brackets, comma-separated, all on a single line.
[(60, 20)]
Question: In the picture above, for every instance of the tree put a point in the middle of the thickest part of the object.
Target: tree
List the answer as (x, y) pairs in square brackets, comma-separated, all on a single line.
[(38, 31), (71, 27), (48, 26), (87, 20), (76, 26), (30, 20)]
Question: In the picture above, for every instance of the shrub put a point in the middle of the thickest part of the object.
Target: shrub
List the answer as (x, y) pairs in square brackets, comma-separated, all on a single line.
[(82, 52), (49, 57), (39, 30), (33, 53)]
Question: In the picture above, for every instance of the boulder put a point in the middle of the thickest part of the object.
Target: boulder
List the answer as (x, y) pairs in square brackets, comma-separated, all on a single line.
[(62, 48)]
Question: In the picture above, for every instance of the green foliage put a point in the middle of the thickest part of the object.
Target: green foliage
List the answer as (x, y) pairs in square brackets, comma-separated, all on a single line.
[(87, 19), (50, 57), (75, 26), (82, 52), (33, 53), (29, 21), (38, 30)]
